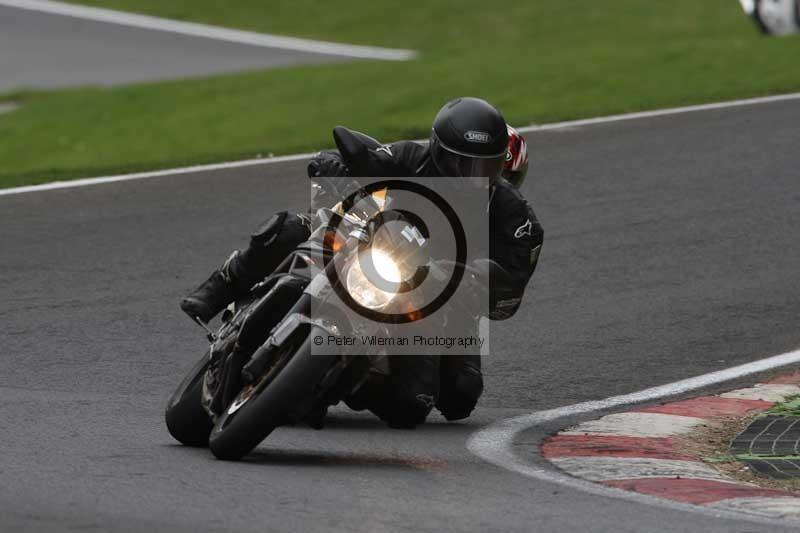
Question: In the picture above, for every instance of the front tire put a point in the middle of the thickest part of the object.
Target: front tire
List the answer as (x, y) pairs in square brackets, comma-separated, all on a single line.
[(270, 402), (187, 421)]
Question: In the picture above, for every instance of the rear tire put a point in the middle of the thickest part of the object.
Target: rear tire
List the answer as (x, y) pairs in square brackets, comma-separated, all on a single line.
[(187, 421), (240, 430)]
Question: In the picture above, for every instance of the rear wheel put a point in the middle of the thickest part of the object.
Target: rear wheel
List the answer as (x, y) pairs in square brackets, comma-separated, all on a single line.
[(276, 398), (187, 421)]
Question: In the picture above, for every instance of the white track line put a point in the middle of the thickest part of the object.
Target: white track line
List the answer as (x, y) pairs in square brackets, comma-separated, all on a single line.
[(495, 443), (662, 112), (250, 162), (210, 32), (151, 174)]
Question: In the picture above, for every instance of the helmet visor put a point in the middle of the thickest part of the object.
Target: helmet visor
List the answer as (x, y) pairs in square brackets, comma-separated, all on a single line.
[(454, 164)]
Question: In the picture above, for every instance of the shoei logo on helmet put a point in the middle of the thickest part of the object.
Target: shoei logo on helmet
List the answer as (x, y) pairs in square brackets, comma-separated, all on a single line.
[(478, 137)]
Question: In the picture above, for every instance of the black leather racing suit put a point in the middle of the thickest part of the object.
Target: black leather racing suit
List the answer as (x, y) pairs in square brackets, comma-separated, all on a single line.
[(417, 383)]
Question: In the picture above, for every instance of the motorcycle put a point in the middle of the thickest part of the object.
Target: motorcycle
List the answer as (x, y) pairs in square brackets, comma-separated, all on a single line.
[(231, 404)]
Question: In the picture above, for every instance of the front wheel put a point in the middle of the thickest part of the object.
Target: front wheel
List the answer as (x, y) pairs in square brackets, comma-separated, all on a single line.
[(187, 421), (270, 401)]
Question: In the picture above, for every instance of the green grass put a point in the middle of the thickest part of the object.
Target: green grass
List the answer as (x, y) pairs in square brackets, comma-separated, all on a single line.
[(537, 61), (791, 407)]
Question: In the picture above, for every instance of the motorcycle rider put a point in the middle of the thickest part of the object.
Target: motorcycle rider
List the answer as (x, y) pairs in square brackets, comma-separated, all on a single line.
[(469, 138)]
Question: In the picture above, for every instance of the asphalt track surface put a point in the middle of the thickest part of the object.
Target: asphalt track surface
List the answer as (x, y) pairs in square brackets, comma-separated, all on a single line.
[(670, 251), (41, 50)]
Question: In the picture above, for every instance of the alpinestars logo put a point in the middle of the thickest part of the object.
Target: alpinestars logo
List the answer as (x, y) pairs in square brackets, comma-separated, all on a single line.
[(524, 229), (387, 148), (478, 137)]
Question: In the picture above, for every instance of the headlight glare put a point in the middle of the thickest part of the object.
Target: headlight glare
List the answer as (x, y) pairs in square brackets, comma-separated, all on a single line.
[(364, 291)]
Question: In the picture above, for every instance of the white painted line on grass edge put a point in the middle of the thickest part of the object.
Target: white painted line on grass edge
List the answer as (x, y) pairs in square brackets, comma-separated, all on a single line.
[(210, 32), (495, 443), (295, 157)]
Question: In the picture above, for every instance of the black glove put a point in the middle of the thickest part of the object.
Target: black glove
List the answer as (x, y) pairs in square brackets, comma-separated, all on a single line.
[(326, 164)]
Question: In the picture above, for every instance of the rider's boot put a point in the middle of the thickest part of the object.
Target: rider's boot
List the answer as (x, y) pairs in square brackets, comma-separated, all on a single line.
[(214, 294)]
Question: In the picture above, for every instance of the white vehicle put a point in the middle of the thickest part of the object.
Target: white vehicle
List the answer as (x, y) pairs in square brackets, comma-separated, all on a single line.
[(774, 17)]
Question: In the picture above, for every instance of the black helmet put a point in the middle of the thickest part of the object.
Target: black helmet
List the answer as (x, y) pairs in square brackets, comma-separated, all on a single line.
[(469, 139)]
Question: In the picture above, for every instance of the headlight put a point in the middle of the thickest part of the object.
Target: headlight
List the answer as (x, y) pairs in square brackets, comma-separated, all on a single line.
[(364, 291)]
